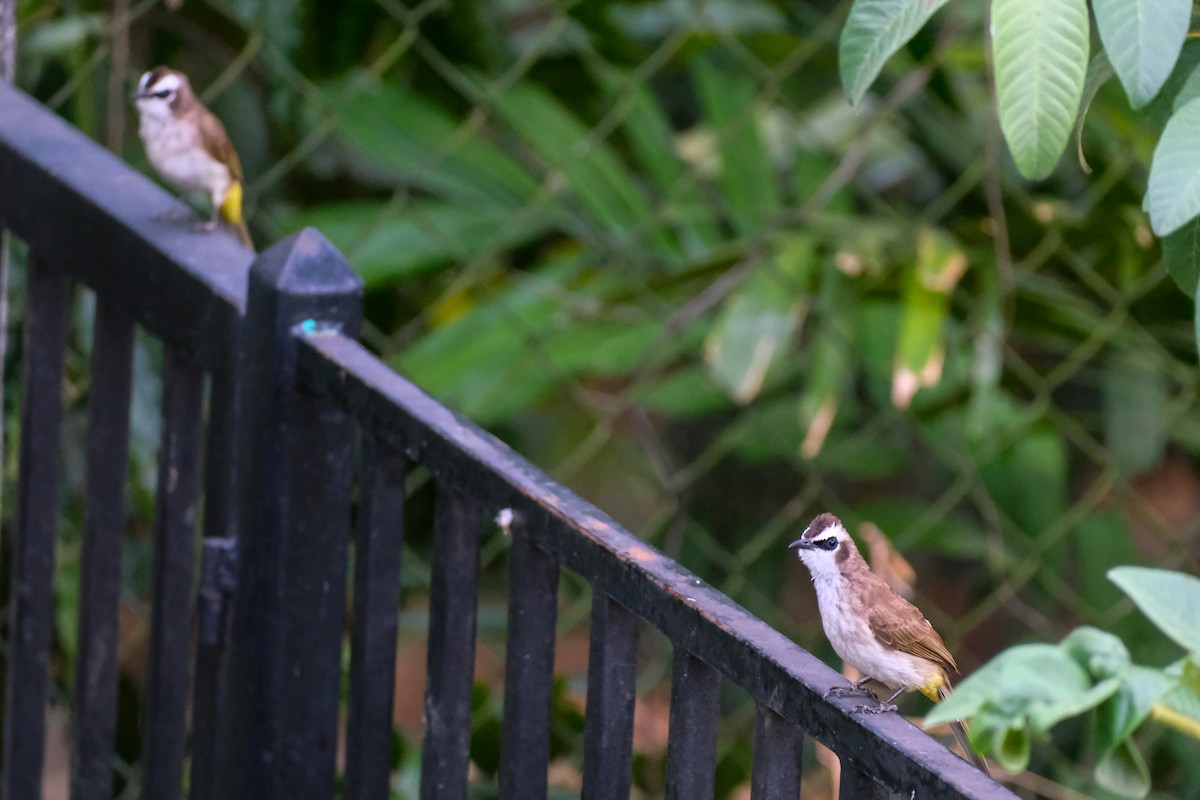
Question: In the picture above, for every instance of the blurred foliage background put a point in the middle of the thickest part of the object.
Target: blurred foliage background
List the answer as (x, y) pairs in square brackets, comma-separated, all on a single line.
[(650, 246)]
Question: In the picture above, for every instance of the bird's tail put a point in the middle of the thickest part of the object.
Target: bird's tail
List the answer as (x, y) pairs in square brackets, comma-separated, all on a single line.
[(959, 729), (243, 234), (231, 211)]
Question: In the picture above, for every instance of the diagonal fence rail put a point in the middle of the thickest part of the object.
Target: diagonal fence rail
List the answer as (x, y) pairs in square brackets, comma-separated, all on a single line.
[(266, 392)]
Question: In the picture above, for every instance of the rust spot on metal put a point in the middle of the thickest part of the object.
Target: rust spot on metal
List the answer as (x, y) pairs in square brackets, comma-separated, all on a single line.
[(643, 554)]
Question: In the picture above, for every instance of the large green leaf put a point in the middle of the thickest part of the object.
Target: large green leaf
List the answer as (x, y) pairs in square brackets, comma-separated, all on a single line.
[(1040, 50), (874, 31), (747, 179), (1181, 252), (1143, 39), (759, 320), (1122, 713), (1099, 71), (482, 362), (385, 243), (1123, 771), (1026, 690), (1033, 685), (652, 142), (830, 361), (1136, 423), (605, 188), (926, 303), (1173, 196), (516, 345), (1170, 599), (406, 139)]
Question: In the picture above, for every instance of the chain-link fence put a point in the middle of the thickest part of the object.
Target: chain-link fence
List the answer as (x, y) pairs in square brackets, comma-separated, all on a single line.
[(651, 246)]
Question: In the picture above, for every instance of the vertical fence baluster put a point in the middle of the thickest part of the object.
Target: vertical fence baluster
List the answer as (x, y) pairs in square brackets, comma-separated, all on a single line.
[(611, 692), (692, 743), (169, 675), (212, 610), (778, 757), (314, 598), (529, 668), (855, 784), (453, 601), (378, 543), (30, 607), (278, 730), (94, 714)]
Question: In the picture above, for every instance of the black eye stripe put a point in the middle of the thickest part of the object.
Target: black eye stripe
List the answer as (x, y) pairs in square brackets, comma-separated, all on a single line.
[(163, 93), (827, 544)]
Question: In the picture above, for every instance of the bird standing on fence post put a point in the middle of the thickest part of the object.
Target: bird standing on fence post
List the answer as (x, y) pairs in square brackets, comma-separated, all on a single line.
[(872, 628), (189, 147)]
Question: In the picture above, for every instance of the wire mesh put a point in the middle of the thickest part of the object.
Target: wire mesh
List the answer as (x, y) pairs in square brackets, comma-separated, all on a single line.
[(566, 213)]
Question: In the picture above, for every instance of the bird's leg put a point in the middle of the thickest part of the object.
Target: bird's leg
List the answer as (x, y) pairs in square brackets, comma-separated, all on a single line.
[(882, 708), (178, 211), (211, 225), (858, 687)]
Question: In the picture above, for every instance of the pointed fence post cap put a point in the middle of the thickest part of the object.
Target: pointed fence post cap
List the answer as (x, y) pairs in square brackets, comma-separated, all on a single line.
[(306, 264)]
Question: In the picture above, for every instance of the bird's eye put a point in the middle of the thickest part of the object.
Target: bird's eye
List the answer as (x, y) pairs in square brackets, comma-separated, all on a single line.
[(165, 93), (827, 544)]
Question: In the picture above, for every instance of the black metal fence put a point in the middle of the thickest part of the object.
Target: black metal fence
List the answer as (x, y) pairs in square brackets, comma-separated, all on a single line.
[(265, 385)]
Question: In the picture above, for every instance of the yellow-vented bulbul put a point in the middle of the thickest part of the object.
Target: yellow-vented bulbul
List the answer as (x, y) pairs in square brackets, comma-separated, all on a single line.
[(872, 628), (189, 147)]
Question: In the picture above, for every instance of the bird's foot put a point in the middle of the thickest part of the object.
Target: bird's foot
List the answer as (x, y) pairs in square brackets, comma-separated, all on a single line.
[(879, 708), (858, 687), (176, 213)]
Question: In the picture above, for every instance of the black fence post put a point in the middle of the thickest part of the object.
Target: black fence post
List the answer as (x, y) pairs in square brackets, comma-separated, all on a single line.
[(294, 461)]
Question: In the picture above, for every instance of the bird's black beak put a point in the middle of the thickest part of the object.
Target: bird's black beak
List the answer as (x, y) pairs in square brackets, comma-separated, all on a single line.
[(801, 544)]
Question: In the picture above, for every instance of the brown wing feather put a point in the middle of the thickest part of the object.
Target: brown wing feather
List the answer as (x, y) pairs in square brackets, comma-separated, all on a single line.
[(899, 624), (216, 142)]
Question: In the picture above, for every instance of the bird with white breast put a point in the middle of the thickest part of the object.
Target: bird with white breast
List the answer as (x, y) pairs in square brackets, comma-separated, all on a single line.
[(873, 629), (189, 147)]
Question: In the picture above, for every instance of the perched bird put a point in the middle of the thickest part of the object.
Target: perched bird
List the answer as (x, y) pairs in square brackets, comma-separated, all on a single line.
[(872, 628), (189, 147)]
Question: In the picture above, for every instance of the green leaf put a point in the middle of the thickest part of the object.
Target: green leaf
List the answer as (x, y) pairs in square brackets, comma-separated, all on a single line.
[(1123, 771), (1099, 652), (404, 138), (1031, 686), (1173, 196), (1170, 599), (652, 141), (1100, 542), (606, 190), (1040, 51), (830, 361), (57, 37), (1030, 478), (747, 179), (758, 321), (1013, 750), (1099, 71), (1119, 716), (385, 243), (1180, 706), (1136, 423), (926, 303), (1143, 39), (1189, 90), (1181, 252), (481, 362), (688, 392), (874, 31)]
